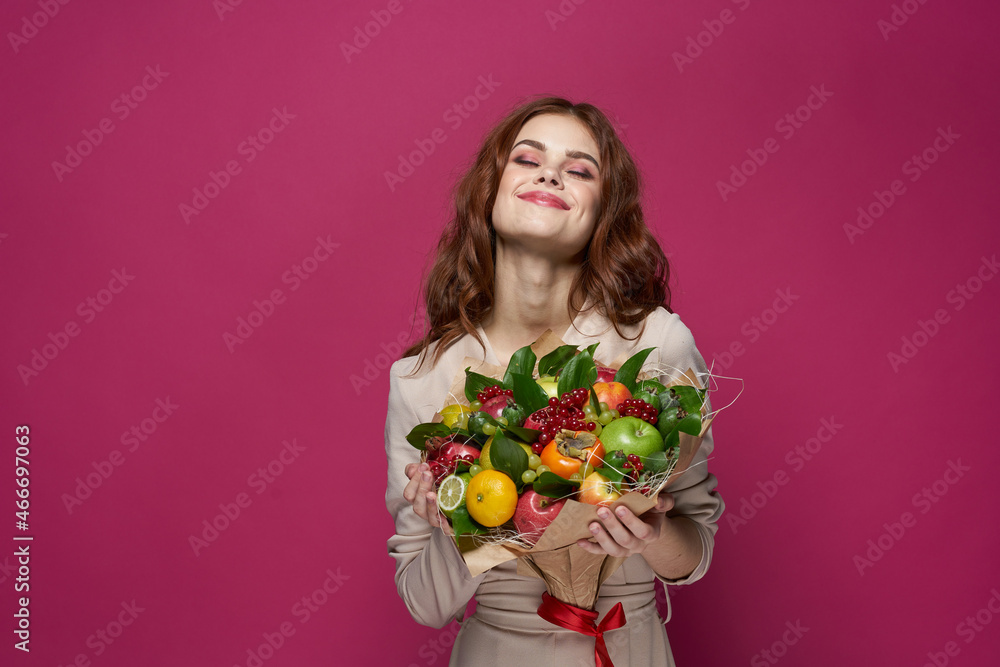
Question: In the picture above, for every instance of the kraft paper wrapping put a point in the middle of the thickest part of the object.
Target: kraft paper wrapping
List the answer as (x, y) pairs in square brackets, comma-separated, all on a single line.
[(571, 574)]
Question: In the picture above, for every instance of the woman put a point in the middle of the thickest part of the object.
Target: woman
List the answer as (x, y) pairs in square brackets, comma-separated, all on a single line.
[(548, 233)]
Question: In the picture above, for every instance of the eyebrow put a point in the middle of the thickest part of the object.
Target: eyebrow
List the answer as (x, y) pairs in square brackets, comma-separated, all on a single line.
[(576, 155)]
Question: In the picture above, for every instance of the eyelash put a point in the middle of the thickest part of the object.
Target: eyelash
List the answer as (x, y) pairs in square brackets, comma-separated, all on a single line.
[(582, 174)]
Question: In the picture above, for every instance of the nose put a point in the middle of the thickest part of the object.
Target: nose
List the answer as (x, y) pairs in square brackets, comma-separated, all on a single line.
[(548, 174)]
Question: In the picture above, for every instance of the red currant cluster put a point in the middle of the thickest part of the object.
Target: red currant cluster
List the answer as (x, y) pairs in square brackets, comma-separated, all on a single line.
[(445, 465), (633, 407), (633, 463), (562, 413), (492, 392)]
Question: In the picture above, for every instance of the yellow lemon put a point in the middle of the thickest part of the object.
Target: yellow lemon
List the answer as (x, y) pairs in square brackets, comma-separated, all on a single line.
[(491, 498), (484, 455), (452, 414)]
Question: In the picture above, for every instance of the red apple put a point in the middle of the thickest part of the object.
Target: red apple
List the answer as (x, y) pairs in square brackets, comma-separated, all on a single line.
[(612, 393), (534, 513), (494, 406), (597, 490), (605, 374), (457, 449), (631, 435)]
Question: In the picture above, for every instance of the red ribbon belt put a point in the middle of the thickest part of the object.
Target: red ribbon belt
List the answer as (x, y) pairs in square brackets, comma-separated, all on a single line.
[(583, 621)]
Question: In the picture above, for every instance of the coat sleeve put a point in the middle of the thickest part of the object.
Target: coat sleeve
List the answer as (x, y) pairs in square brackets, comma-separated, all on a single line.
[(431, 576), (694, 491)]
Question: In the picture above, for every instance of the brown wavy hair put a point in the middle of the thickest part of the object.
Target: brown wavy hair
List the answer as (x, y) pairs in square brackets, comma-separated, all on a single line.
[(624, 272)]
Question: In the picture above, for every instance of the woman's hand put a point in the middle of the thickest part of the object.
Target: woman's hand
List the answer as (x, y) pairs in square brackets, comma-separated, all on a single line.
[(420, 493), (623, 533)]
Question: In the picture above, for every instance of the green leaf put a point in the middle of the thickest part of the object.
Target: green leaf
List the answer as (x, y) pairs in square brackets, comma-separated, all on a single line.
[(527, 393), (525, 435), (508, 457), (630, 369), (580, 371), (656, 462), (552, 362), (419, 434), (522, 362), (553, 486), (613, 474), (594, 403), (463, 524), (671, 439), (475, 383)]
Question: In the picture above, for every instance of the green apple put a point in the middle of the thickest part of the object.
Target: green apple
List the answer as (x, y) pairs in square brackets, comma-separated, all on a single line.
[(631, 435), (549, 384)]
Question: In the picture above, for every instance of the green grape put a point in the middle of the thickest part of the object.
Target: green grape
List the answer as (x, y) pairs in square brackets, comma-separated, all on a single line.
[(540, 469), (585, 470), (604, 406), (534, 461), (489, 429), (502, 421), (589, 411), (575, 477), (597, 428), (476, 406), (605, 417), (463, 423), (615, 414), (528, 476), (475, 469)]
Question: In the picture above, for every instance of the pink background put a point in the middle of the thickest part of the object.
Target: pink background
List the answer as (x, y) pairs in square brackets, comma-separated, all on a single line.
[(794, 554)]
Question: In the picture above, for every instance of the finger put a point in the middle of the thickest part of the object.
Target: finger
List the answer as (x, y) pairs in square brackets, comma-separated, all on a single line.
[(628, 530), (410, 490), (424, 480), (607, 543), (590, 547), (664, 502), (639, 529), (433, 517)]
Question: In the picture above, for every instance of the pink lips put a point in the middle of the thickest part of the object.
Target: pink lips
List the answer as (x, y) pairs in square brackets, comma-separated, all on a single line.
[(544, 199)]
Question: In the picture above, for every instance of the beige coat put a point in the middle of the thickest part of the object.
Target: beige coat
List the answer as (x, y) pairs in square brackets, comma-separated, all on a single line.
[(431, 576)]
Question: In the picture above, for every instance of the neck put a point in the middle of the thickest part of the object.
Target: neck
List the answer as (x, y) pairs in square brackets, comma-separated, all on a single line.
[(531, 293)]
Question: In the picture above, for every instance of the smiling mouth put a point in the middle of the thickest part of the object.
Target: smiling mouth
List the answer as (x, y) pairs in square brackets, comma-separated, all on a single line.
[(544, 199)]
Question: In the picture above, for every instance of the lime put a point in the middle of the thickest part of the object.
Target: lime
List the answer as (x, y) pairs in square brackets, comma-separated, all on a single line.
[(451, 493)]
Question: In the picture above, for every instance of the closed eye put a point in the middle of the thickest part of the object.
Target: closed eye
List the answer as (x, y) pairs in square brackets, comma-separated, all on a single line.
[(528, 163)]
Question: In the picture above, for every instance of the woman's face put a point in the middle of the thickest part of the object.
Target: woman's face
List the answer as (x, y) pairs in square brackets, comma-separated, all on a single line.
[(549, 197)]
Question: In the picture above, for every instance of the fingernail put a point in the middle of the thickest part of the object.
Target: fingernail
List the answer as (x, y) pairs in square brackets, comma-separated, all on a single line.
[(427, 476), (603, 513), (594, 529), (621, 511)]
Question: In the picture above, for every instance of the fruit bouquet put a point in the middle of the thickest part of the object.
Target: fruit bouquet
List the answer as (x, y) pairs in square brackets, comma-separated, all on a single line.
[(522, 457)]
